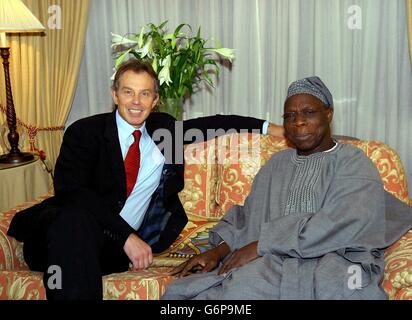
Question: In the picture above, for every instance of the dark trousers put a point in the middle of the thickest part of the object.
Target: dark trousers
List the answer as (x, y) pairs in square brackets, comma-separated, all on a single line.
[(74, 253)]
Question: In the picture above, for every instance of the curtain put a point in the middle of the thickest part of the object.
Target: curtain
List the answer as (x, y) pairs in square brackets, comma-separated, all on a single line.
[(44, 71), (358, 48), (409, 22)]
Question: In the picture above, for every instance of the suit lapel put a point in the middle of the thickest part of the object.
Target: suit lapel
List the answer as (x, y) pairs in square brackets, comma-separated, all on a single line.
[(115, 153)]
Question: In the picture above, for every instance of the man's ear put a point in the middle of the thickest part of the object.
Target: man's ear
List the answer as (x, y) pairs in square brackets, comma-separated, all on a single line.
[(155, 101), (329, 114), (114, 97)]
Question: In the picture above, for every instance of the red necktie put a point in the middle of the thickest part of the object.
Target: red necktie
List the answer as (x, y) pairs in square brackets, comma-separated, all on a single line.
[(132, 163)]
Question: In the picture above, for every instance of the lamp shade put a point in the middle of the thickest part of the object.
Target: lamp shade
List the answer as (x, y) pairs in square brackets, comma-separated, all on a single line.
[(15, 17)]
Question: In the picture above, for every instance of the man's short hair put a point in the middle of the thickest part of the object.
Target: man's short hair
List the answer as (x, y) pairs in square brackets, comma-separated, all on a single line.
[(136, 66)]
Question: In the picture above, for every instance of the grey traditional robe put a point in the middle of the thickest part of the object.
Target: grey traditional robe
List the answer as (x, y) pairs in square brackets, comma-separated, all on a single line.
[(321, 229)]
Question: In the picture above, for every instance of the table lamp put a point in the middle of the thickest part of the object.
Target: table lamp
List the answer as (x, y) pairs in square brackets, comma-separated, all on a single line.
[(15, 17)]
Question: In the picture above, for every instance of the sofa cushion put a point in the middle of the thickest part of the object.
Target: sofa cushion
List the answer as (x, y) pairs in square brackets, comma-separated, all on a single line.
[(147, 284), (240, 158), (194, 239), (198, 196)]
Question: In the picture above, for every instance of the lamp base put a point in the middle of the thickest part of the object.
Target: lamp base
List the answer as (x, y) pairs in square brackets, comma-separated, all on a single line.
[(16, 158)]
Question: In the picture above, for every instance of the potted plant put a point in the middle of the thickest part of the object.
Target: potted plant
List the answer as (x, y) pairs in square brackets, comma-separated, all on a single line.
[(183, 61)]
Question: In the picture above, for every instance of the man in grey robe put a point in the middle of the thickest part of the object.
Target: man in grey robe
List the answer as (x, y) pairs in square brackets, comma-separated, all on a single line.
[(314, 225)]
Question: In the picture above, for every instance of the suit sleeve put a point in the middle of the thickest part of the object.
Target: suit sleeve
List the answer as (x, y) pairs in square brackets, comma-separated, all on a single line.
[(74, 181), (206, 128)]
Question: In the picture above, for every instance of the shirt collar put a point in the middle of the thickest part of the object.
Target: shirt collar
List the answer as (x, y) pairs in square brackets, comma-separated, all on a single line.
[(125, 129), (334, 147)]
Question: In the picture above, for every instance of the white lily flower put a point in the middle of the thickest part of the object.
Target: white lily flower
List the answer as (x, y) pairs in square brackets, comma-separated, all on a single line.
[(164, 74), (154, 64), (224, 52), (113, 75), (118, 40), (166, 62), (146, 49)]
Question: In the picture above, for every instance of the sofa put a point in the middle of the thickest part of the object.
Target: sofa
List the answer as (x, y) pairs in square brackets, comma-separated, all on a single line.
[(218, 174)]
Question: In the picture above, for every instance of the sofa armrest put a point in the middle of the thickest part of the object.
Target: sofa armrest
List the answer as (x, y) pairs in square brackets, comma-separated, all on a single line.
[(397, 280), (11, 250)]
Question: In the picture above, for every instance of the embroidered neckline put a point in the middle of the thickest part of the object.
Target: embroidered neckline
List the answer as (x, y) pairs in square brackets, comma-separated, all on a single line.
[(299, 159)]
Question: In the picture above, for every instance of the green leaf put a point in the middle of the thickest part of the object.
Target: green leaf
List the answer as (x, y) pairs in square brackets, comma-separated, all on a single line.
[(163, 24), (176, 34), (121, 58)]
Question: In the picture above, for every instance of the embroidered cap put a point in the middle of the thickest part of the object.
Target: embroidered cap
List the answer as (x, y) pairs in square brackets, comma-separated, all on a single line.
[(313, 86)]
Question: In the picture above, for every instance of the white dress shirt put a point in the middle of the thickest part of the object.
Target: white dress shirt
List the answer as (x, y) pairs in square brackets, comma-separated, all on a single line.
[(150, 171)]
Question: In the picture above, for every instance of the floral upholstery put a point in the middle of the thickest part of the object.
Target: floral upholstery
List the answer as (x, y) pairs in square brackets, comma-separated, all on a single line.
[(197, 197), (11, 251), (398, 268), (218, 174), (236, 177), (21, 285), (149, 284)]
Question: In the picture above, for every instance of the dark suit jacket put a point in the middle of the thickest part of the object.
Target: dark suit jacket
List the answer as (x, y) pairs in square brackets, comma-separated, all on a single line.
[(89, 174)]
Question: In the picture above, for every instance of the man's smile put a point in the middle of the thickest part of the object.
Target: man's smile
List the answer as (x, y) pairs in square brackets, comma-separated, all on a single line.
[(135, 111)]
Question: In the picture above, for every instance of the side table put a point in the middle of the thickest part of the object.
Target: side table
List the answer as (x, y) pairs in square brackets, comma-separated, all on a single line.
[(22, 183)]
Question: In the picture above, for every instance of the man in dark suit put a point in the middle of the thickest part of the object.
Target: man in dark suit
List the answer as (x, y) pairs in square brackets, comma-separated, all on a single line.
[(98, 221)]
